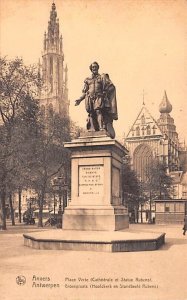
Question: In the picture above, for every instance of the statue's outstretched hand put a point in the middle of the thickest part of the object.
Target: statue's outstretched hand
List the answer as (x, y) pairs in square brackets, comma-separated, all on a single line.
[(77, 102)]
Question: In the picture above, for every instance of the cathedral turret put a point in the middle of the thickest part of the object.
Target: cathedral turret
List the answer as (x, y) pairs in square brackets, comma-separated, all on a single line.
[(165, 106), (66, 75), (168, 128), (166, 122), (66, 87), (61, 44)]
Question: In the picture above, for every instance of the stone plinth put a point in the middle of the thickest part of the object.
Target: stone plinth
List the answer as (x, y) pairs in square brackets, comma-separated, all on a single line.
[(96, 202), (104, 241)]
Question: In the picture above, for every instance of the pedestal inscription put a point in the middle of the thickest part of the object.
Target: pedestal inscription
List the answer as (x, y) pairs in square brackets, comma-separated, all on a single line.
[(91, 180), (96, 202)]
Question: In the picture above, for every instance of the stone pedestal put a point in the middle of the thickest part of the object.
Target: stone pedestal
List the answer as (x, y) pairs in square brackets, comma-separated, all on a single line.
[(96, 202), (95, 219)]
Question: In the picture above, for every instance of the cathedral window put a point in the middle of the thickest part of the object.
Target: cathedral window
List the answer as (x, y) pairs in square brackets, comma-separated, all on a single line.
[(154, 129), (51, 65), (43, 109), (148, 130), (143, 130), (143, 119), (142, 160), (51, 107), (138, 130), (57, 63), (50, 110), (58, 75), (132, 131)]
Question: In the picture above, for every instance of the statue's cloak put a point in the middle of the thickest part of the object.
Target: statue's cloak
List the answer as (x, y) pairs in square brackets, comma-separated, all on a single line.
[(110, 102)]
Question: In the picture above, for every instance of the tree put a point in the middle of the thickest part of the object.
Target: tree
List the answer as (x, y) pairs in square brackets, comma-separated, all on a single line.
[(131, 187), (50, 157), (18, 87), (158, 184), (75, 130), (158, 181)]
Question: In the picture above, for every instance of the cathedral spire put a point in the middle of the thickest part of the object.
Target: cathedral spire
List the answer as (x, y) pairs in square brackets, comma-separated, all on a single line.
[(53, 13), (143, 99), (51, 38)]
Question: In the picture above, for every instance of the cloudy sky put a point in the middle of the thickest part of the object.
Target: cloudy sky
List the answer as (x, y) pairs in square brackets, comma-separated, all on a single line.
[(142, 44)]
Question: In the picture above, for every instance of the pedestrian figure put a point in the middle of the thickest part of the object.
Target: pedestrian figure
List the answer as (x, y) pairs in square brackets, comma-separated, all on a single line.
[(185, 225)]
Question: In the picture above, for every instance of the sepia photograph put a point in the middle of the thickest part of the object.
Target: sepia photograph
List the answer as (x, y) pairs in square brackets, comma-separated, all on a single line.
[(93, 149)]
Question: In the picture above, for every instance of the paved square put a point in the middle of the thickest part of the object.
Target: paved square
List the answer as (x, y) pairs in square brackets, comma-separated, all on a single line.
[(71, 275)]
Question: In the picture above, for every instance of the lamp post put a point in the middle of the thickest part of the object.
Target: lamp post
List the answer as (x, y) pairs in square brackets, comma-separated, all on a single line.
[(54, 204), (54, 191), (60, 186), (61, 192)]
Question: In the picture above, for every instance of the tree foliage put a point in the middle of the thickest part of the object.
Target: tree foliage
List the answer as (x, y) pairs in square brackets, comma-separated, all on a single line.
[(18, 86), (16, 80), (31, 140), (159, 183), (50, 157), (132, 188)]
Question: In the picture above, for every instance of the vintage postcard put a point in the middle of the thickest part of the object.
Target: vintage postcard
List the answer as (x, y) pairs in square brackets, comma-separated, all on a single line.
[(93, 155)]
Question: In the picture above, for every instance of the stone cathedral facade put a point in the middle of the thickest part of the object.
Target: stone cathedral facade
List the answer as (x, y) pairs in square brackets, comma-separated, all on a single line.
[(149, 138), (54, 94)]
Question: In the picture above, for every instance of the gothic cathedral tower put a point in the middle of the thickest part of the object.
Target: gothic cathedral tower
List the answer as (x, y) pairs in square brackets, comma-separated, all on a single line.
[(54, 94)]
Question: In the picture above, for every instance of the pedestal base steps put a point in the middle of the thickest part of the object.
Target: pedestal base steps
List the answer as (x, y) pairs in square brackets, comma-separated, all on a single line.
[(103, 241)]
